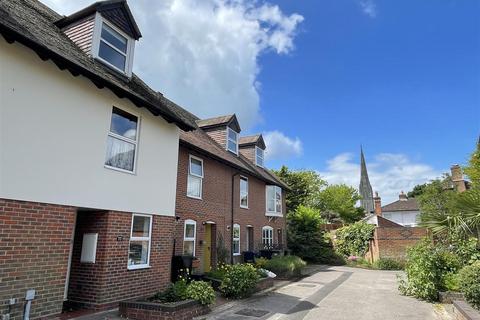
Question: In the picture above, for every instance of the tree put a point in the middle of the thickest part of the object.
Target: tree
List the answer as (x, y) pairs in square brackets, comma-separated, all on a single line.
[(473, 168), (306, 238), (305, 186), (417, 191), (337, 203)]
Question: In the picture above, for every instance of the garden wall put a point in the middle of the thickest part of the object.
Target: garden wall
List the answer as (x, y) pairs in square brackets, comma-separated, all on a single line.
[(392, 242), (182, 310)]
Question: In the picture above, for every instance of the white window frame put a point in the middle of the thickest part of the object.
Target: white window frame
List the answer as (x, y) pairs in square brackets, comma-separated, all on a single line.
[(261, 165), (132, 238), (125, 139), (236, 226), (195, 175), (269, 241), (245, 179), (97, 33), (274, 213), (185, 238), (236, 141)]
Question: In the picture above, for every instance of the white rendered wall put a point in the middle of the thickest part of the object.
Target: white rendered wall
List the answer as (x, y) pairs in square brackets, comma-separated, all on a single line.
[(405, 218), (53, 136)]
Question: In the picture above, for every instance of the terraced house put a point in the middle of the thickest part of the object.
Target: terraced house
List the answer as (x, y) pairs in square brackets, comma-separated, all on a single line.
[(89, 161), (226, 199)]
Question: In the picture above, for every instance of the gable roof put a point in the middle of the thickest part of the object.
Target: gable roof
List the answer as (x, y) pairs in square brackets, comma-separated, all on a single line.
[(117, 11), (32, 24), (220, 121), (410, 204), (201, 142), (255, 140)]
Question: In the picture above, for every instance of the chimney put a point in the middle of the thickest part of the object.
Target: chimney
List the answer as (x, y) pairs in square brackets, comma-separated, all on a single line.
[(457, 178), (378, 204), (402, 196)]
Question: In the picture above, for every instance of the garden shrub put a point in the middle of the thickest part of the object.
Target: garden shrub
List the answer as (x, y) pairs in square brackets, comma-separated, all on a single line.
[(219, 272), (306, 238), (427, 268), (201, 291), (239, 280), (286, 266), (175, 292), (354, 239), (388, 264), (469, 283), (260, 263)]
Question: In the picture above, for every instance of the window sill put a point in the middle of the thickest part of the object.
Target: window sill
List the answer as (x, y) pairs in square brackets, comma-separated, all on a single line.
[(273, 214), (236, 254), (118, 169), (243, 207), (193, 197), (139, 267)]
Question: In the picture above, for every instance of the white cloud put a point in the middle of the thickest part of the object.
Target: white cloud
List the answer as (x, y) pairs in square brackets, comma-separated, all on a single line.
[(389, 173), (279, 146), (368, 7), (203, 54)]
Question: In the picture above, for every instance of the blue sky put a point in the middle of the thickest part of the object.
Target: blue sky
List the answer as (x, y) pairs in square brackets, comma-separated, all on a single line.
[(406, 80), (319, 78)]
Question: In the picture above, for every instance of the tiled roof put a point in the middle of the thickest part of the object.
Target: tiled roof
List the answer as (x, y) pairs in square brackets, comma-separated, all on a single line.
[(215, 121), (201, 142), (249, 139), (410, 204), (32, 24)]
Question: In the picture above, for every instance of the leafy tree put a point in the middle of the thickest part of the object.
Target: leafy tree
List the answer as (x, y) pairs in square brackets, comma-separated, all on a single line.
[(354, 239), (337, 204), (473, 168), (305, 186), (417, 190), (306, 238)]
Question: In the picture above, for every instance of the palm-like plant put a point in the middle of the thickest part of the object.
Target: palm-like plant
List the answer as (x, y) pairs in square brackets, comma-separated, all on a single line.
[(468, 207)]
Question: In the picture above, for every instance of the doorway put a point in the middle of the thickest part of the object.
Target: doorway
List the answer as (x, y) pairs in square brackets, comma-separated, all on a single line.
[(250, 240), (209, 246)]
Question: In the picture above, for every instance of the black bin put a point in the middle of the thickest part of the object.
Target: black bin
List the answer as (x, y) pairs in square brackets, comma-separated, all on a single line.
[(180, 266)]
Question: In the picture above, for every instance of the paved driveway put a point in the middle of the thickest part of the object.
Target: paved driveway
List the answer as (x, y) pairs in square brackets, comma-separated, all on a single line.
[(334, 293)]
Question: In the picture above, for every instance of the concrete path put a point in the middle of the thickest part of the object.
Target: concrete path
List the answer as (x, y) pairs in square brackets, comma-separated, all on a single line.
[(333, 293)]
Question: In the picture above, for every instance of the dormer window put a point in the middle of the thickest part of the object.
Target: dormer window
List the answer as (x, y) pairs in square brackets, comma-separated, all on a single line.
[(232, 140), (259, 154), (112, 46)]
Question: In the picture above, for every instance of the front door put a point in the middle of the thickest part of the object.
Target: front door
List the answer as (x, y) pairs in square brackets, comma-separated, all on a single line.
[(207, 251)]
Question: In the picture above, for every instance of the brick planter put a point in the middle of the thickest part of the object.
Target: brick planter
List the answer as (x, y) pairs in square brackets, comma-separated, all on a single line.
[(263, 284), (144, 310), (464, 311)]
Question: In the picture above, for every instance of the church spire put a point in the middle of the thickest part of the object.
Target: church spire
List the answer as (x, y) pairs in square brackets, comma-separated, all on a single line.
[(365, 188)]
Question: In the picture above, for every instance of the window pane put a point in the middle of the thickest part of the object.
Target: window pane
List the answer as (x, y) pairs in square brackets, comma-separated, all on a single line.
[(124, 124), (271, 205), (188, 247), (189, 230), (114, 38), (141, 226), (232, 135), (244, 201), (270, 193), (236, 246), (232, 146), (112, 56), (259, 161), (243, 185), (138, 253), (196, 167), (194, 186), (120, 154), (236, 232)]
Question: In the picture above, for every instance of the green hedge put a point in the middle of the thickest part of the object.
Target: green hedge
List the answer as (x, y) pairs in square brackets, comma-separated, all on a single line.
[(469, 283), (286, 266), (353, 240), (239, 280)]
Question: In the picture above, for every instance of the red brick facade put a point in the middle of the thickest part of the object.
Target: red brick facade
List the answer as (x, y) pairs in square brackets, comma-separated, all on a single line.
[(34, 248), (35, 244), (108, 280), (215, 205), (392, 242)]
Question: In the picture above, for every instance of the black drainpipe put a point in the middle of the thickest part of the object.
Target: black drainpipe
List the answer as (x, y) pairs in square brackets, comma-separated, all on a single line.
[(231, 226)]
